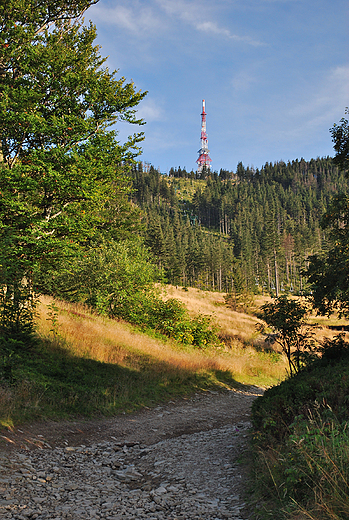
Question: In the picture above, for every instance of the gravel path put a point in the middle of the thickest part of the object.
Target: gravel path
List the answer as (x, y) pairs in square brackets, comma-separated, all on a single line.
[(175, 462)]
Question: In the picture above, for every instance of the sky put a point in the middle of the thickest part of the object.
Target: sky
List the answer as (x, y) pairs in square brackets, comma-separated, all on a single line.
[(274, 75)]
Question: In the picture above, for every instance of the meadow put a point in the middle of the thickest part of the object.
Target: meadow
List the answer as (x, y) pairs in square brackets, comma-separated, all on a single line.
[(85, 365), (82, 364)]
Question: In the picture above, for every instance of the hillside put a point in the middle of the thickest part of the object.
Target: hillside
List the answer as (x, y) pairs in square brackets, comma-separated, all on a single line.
[(252, 230), (84, 364)]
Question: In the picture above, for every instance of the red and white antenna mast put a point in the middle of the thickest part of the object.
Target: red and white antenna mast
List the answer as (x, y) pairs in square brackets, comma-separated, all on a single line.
[(204, 159)]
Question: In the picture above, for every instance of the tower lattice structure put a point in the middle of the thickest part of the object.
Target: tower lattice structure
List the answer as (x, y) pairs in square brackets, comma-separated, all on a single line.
[(204, 159)]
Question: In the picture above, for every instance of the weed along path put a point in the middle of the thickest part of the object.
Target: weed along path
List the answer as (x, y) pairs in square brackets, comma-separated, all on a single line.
[(176, 461)]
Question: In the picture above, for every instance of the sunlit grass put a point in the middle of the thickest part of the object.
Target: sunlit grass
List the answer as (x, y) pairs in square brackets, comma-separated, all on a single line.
[(110, 341), (234, 325), (85, 364)]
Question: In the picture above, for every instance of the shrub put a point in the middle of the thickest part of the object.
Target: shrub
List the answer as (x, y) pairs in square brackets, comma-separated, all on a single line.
[(287, 318), (9, 354), (302, 439), (118, 280)]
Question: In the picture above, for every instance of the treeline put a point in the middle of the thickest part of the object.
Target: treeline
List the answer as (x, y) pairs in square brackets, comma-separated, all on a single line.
[(188, 253), (181, 173), (252, 230)]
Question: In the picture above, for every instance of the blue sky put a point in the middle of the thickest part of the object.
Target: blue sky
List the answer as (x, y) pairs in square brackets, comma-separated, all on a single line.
[(274, 74)]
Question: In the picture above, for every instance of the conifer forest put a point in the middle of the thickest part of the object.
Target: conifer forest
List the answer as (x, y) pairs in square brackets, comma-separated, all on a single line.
[(249, 231)]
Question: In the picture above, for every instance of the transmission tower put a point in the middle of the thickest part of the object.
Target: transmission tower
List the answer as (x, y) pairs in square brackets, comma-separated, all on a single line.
[(204, 159)]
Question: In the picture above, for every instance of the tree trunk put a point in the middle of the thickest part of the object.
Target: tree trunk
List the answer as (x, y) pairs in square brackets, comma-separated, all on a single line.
[(276, 275)]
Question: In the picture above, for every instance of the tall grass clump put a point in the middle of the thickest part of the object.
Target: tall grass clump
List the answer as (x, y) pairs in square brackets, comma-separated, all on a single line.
[(301, 441), (318, 467)]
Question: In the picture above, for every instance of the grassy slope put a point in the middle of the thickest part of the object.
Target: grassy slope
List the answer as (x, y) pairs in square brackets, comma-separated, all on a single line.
[(185, 188), (87, 365)]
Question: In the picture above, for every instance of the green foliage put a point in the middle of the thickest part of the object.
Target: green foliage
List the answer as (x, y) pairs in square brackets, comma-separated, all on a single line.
[(334, 350), (328, 273), (287, 318), (117, 279), (301, 435), (17, 305), (106, 276), (316, 466), (31, 16), (9, 356), (61, 174), (173, 320), (309, 474), (325, 379), (340, 137), (169, 318)]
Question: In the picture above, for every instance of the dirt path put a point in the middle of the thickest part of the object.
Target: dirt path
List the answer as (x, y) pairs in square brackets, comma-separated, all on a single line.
[(176, 461)]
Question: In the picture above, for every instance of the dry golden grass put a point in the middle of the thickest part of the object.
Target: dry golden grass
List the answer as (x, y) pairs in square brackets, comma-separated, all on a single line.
[(234, 325), (102, 339), (62, 378), (241, 326), (238, 327)]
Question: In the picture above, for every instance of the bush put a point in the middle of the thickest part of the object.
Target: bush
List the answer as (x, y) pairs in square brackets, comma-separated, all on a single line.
[(118, 280), (287, 319), (9, 354), (170, 318), (301, 437)]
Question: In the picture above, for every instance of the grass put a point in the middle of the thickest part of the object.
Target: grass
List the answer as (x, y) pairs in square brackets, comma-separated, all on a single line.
[(241, 327), (234, 326), (114, 342), (301, 442), (326, 466), (87, 365), (308, 476)]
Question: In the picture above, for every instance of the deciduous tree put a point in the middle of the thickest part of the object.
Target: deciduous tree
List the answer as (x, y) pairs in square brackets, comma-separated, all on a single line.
[(287, 319), (329, 273), (61, 168)]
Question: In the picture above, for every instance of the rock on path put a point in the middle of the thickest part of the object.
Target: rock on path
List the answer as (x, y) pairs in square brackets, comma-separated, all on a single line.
[(126, 469)]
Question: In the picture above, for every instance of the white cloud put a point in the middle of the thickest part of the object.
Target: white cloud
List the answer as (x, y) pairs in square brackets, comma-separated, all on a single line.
[(150, 110), (159, 15), (324, 103), (212, 27), (135, 19), (198, 15), (187, 11)]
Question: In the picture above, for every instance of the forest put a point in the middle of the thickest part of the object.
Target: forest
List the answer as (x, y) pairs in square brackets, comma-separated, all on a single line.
[(237, 232), (83, 220)]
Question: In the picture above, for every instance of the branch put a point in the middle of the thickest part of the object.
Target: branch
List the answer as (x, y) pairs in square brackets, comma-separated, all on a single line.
[(45, 235), (49, 217)]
